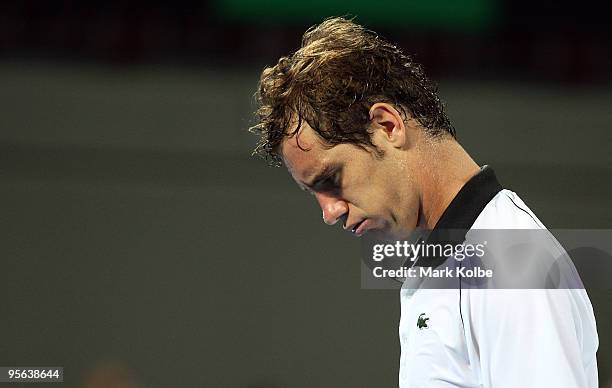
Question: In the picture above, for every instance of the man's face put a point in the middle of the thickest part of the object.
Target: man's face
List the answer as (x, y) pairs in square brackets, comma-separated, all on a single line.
[(352, 185)]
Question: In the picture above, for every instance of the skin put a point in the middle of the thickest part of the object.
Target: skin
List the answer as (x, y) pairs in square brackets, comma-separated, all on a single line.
[(409, 187)]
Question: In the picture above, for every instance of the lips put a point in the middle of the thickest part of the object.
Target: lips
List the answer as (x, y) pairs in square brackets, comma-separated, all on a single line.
[(357, 225), (361, 227)]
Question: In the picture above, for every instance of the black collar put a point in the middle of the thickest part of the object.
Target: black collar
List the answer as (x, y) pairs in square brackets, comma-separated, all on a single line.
[(469, 202), (462, 212)]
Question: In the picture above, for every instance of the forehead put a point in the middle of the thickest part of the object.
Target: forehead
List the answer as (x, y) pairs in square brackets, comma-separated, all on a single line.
[(303, 153)]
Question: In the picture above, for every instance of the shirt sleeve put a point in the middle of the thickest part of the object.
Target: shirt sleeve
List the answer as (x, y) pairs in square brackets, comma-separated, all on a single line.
[(532, 338)]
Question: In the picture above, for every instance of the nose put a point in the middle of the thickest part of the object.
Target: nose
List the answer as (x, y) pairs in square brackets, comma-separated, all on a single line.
[(333, 208)]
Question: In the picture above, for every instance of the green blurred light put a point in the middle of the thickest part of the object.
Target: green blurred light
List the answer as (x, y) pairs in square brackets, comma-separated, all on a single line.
[(469, 15)]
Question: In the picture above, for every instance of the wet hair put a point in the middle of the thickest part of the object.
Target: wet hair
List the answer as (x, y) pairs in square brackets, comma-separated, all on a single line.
[(332, 81)]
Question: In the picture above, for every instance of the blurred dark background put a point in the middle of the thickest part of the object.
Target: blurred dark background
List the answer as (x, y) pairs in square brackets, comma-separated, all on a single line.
[(142, 245)]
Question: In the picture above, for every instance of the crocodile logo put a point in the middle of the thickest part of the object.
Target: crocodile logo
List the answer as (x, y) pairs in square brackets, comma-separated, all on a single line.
[(422, 321)]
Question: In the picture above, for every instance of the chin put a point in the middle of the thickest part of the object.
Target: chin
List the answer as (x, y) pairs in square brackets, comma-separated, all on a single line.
[(389, 234), (405, 233)]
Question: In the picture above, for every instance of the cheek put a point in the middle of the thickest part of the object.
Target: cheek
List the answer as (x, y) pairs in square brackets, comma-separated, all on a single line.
[(399, 199), (378, 191), (371, 184)]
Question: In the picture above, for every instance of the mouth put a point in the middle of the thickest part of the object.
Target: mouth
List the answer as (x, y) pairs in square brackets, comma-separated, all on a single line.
[(359, 228)]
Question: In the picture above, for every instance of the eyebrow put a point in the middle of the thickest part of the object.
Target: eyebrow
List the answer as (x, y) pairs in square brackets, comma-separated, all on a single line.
[(320, 180)]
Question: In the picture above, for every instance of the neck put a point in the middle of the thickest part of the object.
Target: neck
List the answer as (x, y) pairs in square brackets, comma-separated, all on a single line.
[(448, 168)]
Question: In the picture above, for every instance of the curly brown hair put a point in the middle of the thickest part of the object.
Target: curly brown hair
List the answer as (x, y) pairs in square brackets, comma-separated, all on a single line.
[(331, 82)]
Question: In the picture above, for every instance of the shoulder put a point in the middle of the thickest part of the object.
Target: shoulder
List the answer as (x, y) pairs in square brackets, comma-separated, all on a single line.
[(507, 211)]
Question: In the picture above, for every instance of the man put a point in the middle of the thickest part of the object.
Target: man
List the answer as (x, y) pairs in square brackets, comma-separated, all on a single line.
[(361, 128)]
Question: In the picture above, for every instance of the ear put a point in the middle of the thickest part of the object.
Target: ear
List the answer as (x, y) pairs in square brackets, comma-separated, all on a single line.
[(388, 125)]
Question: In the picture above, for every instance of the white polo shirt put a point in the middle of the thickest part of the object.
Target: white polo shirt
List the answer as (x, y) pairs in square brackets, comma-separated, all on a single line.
[(495, 338)]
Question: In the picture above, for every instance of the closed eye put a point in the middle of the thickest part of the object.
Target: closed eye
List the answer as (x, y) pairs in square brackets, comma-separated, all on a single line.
[(330, 184), (329, 180)]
